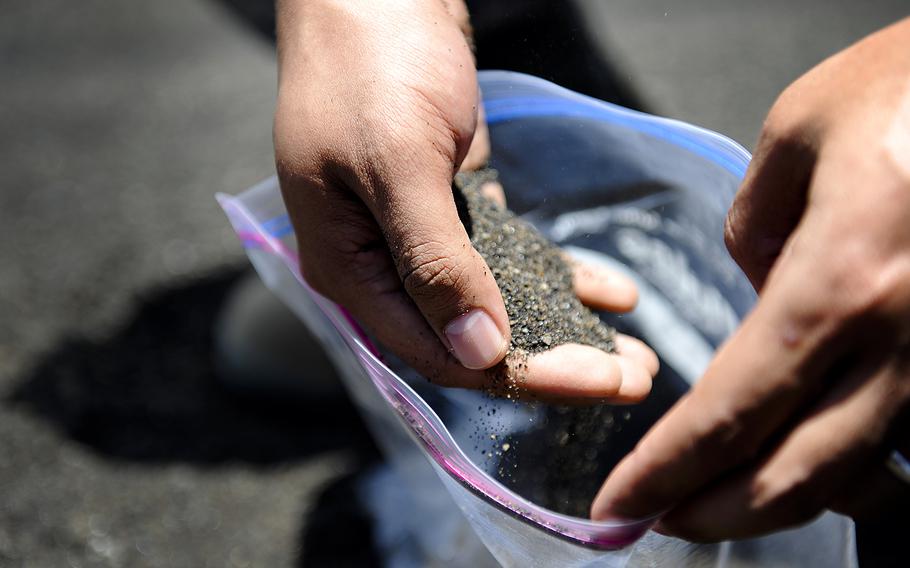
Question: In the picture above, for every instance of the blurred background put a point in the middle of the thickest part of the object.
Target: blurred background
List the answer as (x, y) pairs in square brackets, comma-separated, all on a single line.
[(121, 444)]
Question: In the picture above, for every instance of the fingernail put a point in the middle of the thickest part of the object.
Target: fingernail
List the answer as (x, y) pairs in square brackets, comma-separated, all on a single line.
[(475, 339)]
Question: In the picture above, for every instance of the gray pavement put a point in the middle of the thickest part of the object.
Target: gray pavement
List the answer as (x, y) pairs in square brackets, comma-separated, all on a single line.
[(118, 121), (722, 63)]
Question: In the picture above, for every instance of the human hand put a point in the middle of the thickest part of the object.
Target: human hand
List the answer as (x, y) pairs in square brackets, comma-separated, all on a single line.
[(377, 110), (801, 407)]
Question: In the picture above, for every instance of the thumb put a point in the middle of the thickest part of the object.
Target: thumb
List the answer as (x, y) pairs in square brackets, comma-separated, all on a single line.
[(444, 275)]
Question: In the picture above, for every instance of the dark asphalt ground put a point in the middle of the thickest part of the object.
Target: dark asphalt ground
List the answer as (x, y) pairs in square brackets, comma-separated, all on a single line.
[(118, 122)]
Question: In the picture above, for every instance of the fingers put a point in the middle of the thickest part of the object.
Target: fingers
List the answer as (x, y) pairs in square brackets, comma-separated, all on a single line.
[(636, 381), (639, 352), (391, 315), (603, 289), (367, 284), (739, 403), (811, 467), (770, 202), (445, 276), (344, 256), (493, 191), (580, 374), (572, 371)]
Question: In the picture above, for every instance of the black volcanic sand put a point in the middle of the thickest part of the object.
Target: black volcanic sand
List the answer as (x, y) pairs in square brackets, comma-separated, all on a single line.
[(534, 278), (557, 463)]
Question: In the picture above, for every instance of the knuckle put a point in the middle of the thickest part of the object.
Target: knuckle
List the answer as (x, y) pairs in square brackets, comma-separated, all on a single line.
[(732, 236), (777, 124), (861, 286), (448, 123), (722, 435), (345, 264), (368, 270), (788, 131), (854, 287), (784, 121), (886, 290), (795, 495), (429, 272)]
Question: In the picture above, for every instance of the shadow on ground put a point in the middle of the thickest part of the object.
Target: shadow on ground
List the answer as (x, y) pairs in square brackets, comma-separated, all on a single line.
[(339, 530), (148, 393)]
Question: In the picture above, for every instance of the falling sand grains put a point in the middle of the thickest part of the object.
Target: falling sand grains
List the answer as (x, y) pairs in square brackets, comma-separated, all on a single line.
[(533, 276), (561, 466)]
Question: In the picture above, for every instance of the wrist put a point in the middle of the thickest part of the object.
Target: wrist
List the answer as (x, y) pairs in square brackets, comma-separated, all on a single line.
[(342, 33)]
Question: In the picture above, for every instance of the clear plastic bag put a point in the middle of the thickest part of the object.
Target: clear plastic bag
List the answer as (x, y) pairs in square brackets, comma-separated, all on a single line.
[(642, 194)]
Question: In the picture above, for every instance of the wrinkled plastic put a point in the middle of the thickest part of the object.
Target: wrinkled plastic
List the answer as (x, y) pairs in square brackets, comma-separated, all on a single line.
[(642, 194)]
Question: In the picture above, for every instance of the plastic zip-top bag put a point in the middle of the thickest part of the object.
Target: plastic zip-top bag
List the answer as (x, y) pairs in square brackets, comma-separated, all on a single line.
[(639, 193)]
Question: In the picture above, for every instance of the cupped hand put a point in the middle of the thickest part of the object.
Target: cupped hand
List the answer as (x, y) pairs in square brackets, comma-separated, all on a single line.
[(802, 406), (378, 108)]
